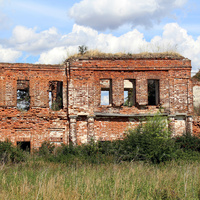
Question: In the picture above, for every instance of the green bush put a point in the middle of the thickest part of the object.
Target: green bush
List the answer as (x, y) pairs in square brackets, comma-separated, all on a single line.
[(107, 147), (187, 155), (98, 152), (10, 153), (65, 154), (188, 142), (85, 153), (46, 149), (149, 141)]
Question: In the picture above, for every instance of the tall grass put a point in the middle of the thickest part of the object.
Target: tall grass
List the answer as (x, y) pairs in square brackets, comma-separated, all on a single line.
[(122, 169), (137, 180)]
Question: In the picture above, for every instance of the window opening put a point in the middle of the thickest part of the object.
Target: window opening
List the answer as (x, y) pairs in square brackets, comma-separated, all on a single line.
[(106, 91), (25, 146), (23, 98), (56, 95), (129, 92), (153, 92)]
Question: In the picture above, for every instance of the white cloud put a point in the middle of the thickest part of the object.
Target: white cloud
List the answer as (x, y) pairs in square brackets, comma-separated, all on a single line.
[(104, 14), (54, 48), (174, 38), (105, 100), (56, 55), (27, 39), (130, 42), (177, 38), (9, 55)]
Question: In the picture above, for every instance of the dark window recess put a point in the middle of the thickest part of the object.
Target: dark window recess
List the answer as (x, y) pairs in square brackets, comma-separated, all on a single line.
[(129, 93), (56, 95), (153, 92), (23, 98), (26, 146), (106, 91)]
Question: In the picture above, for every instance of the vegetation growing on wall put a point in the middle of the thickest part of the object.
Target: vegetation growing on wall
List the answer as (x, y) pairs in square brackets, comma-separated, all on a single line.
[(84, 52), (149, 142), (82, 49), (196, 76)]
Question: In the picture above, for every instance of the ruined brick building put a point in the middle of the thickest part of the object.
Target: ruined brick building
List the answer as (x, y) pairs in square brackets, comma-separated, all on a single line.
[(62, 103), (196, 103)]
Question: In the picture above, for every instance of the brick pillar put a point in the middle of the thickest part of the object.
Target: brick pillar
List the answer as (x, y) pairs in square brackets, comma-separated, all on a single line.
[(189, 122), (118, 91), (172, 125), (11, 93), (72, 131), (90, 128), (141, 91)]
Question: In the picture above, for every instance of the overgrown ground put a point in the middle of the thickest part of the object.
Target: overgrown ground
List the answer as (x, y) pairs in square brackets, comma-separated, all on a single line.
[(37, 179), (147, 164)]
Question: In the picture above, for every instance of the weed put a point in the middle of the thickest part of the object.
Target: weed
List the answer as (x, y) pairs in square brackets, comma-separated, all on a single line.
[(82, 49)]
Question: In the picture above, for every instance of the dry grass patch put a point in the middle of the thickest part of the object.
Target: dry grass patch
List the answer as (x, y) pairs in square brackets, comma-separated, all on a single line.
[(144, 55)]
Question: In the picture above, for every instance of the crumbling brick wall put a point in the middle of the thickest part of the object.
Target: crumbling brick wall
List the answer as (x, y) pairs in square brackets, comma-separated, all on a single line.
[(196, 126), (196, 93), (175, 92), (39, 123), (81, 115)]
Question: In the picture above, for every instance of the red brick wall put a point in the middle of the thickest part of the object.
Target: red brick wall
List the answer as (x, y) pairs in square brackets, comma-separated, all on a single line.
[(196, 126), (82, 115), (39, 123), (116, 127), (174, 76)]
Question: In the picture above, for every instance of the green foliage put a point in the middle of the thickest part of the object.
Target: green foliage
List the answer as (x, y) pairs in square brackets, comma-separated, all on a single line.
[(10, 153), (150, 141), (128, 101), (82, 49), (197, 76), (23, 100), (85, 153), (188, 142), (46, 149), (57, 104)]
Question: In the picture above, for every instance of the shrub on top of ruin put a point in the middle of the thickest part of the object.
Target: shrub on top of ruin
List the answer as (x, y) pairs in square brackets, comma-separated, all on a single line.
[(82, 49)]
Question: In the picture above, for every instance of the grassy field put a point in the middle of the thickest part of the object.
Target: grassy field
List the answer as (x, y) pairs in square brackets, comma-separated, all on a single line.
[(36, 179)]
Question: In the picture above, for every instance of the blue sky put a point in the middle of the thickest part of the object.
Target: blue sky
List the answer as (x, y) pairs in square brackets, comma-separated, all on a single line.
[(41, 31)]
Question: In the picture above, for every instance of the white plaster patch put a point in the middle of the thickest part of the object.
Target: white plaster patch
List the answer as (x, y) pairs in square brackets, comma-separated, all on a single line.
[(56, 133), (180, 125), (196, 95)]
